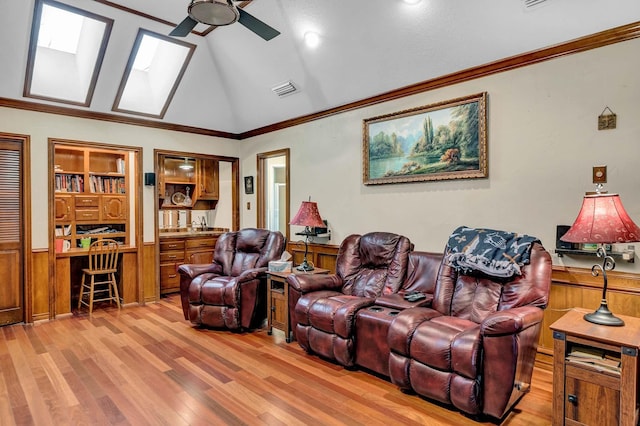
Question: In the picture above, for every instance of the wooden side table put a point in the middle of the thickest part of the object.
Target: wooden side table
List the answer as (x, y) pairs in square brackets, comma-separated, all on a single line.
[(278, 300), (584, 394)]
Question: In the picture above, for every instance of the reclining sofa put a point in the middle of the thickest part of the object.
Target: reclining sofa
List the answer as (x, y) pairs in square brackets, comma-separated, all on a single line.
[(449, 333)]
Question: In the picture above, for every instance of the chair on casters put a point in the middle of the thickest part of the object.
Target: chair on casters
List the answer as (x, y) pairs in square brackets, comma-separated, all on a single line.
[(103, 263)]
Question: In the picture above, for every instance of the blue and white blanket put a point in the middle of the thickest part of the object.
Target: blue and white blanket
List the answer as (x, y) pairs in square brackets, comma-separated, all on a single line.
[(494, 253)]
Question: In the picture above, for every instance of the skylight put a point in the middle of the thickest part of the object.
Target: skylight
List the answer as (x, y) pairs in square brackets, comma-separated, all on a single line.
[(65, 53), (155, 68), (59, 29)]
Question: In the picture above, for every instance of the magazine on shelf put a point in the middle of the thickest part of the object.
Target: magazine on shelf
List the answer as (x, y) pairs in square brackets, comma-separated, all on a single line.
[(594, 358)]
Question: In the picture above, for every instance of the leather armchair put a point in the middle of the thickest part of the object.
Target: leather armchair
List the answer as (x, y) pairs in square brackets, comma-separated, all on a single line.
[(226, 293), (475, 346), (325, 306)]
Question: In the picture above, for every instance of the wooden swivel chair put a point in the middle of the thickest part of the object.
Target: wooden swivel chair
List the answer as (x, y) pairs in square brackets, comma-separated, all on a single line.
[(103, 264)]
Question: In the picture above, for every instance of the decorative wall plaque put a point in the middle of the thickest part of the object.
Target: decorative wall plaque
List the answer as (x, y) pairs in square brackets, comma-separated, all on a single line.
[(606, 121)]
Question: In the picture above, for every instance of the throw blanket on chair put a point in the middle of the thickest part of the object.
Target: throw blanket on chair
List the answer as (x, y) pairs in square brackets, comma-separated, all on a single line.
[(494, 253)]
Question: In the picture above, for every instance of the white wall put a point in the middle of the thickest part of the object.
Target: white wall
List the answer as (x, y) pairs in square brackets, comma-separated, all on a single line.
[(41, 126), (542, 143)]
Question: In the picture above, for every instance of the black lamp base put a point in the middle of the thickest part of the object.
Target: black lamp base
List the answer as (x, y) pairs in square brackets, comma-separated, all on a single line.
[(305, 266), (603, 316)]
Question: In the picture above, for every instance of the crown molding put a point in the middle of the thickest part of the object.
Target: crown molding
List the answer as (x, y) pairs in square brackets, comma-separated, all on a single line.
[(594, 41)]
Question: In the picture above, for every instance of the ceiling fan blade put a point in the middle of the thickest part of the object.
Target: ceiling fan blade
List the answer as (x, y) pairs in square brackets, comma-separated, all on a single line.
[(257, 26), (184, 27)]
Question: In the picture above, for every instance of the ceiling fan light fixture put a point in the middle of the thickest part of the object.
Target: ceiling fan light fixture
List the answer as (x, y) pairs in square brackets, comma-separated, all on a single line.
[(214, 12)]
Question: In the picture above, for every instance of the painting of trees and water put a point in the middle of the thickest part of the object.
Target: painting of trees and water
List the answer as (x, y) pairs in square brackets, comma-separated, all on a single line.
[(435, 142)]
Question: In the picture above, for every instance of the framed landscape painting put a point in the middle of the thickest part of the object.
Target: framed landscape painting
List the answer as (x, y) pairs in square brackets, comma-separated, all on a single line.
[(447, 140)]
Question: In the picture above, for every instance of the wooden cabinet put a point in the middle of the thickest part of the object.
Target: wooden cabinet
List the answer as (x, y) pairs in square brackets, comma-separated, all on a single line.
[(90, 200), (197, 177), (114, 207), (62, 208), (586, 389), (175, 251), (171, 256), (208, 179), (199, 250), (278, 300)]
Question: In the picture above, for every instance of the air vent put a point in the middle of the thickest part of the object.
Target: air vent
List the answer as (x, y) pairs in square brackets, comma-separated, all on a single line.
[(532, 4), (284, 89)]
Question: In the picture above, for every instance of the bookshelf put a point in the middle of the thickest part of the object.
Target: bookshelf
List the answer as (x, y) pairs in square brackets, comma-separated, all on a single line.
[(90, 195)]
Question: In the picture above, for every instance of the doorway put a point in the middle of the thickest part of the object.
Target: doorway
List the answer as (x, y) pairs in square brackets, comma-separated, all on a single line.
[(273, 191), (15, 238)]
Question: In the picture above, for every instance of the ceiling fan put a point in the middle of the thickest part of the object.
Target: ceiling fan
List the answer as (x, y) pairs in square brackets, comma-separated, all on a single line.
[(219, 13)]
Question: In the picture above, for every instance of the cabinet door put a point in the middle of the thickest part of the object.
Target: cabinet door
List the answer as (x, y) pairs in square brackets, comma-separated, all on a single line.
[(199, 256), (592, 402), (114, 208), (62, 208), (208, 179), (169, 278)]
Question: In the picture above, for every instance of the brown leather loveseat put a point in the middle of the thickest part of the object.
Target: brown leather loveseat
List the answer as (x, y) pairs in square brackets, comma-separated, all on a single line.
[(226, 293), (468, 340)]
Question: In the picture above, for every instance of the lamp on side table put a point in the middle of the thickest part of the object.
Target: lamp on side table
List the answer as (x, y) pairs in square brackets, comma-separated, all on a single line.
[(307, 216)]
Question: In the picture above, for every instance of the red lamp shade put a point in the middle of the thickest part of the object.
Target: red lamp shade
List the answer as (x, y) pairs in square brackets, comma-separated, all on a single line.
[(308, 215), (602, 219)]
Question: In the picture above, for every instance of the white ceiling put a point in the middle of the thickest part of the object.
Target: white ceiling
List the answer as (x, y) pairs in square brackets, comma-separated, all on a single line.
[(368, 47)]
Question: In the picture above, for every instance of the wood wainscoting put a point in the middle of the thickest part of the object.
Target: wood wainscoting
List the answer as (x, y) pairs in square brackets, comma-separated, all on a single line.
[(319, 255), (578, 288)]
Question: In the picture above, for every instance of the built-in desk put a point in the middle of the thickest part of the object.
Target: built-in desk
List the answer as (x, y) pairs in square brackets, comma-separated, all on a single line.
[(69, 266)]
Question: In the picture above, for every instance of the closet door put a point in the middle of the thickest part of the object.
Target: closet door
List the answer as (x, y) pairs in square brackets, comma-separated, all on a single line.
[(11, 233)]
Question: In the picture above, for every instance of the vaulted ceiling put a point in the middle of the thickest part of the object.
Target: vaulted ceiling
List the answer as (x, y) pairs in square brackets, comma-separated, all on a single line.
[(367, 47)]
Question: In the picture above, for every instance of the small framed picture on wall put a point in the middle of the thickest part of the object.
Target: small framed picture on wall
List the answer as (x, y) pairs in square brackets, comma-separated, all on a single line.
[(248, 184)]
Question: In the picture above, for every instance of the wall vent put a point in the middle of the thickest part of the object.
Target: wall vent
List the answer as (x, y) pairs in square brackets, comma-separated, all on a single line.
[(532, 4), (284, 89)]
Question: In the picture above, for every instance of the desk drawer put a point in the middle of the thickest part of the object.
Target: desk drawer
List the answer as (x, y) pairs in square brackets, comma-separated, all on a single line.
[(201, 242), (84, 201), (87, 215), (171, 245), (172, 256)]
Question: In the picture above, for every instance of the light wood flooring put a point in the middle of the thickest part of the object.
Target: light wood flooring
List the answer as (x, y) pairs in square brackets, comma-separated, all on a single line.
[(146, 365)]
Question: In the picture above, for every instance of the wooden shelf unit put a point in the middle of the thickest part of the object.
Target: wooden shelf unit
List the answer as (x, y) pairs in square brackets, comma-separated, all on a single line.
[(591, 395), (91, 194), (201, 181)]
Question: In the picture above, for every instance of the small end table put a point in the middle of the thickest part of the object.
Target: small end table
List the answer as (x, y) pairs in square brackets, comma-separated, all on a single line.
[(588, 394), (278, 300)]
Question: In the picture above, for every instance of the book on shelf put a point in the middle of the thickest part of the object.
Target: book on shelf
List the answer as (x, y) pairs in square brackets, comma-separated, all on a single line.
[(63, 231), (594, 358), (120, 165)]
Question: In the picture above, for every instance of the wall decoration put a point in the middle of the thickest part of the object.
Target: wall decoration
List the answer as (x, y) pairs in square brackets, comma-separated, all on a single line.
[(442, 141), (248, 184), (607, 121)]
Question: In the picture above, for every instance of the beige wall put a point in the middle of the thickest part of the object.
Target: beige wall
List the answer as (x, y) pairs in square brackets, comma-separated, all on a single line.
[(41, 126), (542, 136), (542, 142)]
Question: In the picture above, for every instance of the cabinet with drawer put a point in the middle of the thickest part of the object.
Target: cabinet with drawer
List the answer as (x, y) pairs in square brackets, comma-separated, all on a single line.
[(178, 250), (90, 194)]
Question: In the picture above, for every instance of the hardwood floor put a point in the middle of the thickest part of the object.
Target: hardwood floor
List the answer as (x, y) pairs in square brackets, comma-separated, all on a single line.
[(148, 366)]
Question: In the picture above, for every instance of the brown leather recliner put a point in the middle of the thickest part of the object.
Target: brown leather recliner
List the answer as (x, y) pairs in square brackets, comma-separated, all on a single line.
[(226, 293), (475, 346), (367, 266)]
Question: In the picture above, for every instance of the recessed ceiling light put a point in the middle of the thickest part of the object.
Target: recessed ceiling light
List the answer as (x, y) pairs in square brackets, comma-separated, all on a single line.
[(311, 39), (412, 1)]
